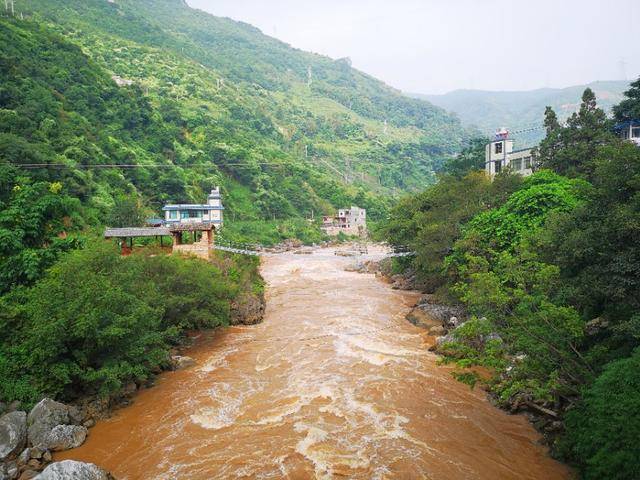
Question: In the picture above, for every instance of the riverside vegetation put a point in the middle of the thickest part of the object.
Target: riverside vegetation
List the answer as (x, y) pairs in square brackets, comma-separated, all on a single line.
[(547, 268)]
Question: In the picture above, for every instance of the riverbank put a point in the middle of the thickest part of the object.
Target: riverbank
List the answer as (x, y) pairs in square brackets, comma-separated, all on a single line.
[(337, 375), (441, 321), (106, 336)]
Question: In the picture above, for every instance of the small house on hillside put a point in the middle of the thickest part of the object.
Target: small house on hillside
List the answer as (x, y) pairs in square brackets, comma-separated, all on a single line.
[(499, 155), (350, 221), (207, 213)]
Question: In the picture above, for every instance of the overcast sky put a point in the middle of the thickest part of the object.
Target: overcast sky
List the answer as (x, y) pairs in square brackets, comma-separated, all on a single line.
[(434, 46)]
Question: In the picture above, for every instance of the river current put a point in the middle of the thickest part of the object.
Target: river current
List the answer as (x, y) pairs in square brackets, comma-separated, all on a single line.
[(335, 383)]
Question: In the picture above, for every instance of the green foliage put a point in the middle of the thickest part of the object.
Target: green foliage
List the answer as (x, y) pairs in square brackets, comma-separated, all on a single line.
[(602, 432), (98, 320), (469, 159), (629, 108), (571, 150), (127, 211), (428, 223), (270, 233), (32, 227)]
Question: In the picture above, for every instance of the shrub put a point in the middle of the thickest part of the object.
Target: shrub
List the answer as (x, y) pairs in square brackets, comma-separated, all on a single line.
[(602, 432)]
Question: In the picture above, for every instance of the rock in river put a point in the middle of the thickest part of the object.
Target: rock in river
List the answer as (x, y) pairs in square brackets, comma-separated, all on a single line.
[(72, 470), (64, 437), (179, 362), (46, 415), (13, 434)]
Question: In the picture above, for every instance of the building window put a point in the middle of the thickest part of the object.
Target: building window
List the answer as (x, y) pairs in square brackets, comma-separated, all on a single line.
[(516, 164), (498, 167), (635, 132), (527, 162), (173, 214), (499, 147)]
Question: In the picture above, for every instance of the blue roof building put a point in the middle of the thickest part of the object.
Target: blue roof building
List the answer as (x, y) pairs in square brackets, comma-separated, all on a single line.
[(629, 130)]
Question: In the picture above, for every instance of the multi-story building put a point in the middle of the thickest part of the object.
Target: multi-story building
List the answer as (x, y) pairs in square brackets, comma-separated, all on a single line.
[(207, 213), (500, 155), (350, 221)]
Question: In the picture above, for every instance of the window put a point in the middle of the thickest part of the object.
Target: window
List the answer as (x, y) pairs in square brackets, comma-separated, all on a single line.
[(498, 167), (527, 162), (498, 147), (173, 214), (516, 164), (625, 134), (184, 214), (635, 132)]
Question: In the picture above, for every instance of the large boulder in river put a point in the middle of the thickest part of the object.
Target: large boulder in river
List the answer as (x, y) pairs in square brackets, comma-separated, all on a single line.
[(46, 415), (72, 470), (64, 437), (422, 319), (178, 362), (13, 434)]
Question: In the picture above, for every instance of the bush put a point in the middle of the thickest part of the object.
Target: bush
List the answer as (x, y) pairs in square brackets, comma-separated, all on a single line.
[(97, 321), (602, 433)]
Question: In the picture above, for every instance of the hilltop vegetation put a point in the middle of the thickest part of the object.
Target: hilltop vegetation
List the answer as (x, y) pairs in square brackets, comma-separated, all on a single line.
[(286, 133), (547, 268), (518, 110)]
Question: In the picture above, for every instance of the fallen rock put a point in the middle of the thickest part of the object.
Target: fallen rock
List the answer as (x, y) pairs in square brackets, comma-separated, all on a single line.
[(72, 470), (448, 315), (28, 475), (46, 415), (178, 362), (24, 457), (247, 310), (13, 434), (64, 437), (422, 319), (437, 331)]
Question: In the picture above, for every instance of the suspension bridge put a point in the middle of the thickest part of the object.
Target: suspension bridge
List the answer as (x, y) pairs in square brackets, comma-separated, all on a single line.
[(263, 251)]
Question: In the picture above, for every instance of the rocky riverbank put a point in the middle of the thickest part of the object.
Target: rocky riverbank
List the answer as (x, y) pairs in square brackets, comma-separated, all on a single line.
[(28, 440)]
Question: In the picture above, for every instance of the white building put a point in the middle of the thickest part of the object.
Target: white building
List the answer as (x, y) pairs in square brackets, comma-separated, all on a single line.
[(350, 221), (208, 213), (629, 131), (500, 155)]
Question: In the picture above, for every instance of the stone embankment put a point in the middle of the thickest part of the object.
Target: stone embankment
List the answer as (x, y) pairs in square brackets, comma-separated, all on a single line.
[(27, 441)]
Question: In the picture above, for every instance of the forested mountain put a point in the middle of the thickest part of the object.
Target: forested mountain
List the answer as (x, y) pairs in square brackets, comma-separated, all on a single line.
[(518, 110), (285, 132)]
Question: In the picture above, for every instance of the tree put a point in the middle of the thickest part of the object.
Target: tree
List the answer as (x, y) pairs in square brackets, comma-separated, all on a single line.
[(602, 432), (629, 108), (571, 150), (470, 158), (127, 211)]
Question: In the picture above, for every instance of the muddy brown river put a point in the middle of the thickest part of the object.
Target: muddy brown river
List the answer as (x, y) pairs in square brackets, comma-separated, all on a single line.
[(335, 383)]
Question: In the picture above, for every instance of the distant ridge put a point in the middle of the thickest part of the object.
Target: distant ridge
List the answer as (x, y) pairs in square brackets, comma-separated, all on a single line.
[(488, 110)]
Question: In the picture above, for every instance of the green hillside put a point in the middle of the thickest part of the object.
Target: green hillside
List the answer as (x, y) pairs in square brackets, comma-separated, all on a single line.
[(285, 132), (518, 110)]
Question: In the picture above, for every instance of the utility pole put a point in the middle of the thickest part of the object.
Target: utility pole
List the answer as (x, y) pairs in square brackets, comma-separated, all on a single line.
[(385, 126), (309, 76), (306, 151), (622, 65)]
